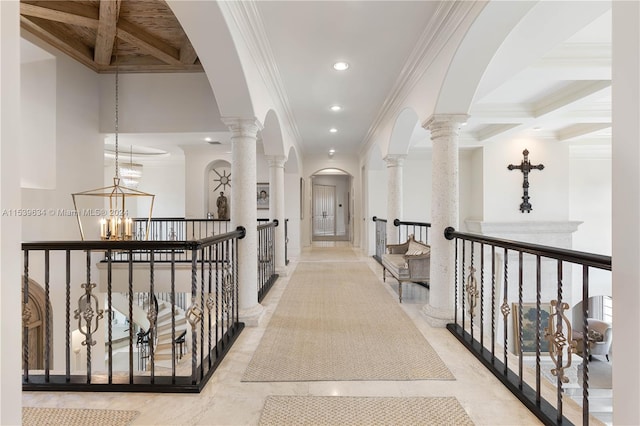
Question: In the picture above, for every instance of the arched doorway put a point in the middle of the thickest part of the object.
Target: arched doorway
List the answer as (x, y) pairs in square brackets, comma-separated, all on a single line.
[(331, 211), (35, 323)]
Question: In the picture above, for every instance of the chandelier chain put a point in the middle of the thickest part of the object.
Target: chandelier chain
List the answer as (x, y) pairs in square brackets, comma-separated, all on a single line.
[(116, 124)]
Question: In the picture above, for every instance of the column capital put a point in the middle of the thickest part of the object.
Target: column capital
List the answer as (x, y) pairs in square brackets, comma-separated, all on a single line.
[(242, 126), (394, 160), (276, 160), (441, 125)]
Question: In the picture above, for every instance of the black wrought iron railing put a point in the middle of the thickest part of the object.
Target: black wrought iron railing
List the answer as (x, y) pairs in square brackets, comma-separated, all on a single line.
[(178, 228), (266, 258), (419, 230), (512, 302), (381, 237), (78, 287)]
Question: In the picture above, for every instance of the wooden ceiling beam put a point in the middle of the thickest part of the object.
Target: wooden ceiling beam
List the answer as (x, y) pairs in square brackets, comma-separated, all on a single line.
[(148, 43), (188, 54), (52, 35), (67, 12), (109, 11)]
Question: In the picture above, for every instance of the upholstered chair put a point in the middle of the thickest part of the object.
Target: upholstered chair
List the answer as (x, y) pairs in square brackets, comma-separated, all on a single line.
[(600, 337)]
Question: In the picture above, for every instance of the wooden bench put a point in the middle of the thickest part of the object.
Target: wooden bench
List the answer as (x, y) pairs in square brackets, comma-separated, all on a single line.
[(409, 261)]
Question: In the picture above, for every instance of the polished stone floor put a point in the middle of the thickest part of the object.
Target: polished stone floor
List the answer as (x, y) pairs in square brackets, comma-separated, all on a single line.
[(227, 401)]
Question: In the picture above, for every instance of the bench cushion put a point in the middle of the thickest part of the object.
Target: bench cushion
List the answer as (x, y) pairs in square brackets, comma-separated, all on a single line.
[(396, 265)]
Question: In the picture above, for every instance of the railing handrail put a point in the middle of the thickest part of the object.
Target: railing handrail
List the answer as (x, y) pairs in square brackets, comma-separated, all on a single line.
[(272, 224), (179, 219), (398, 222), (574, 256), (377, 219), (240, 233)]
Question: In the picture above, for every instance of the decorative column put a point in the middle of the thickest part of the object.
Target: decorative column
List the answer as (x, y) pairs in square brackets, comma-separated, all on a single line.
[(244, 213), (444, 212), (394, 194), (276, 207)]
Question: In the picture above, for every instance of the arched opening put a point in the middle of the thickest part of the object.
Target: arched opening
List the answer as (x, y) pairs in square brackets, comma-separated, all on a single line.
[(35, 323), (331, 205)]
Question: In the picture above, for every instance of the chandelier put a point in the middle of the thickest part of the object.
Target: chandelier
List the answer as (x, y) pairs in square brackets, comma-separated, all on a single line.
[(115, 223)]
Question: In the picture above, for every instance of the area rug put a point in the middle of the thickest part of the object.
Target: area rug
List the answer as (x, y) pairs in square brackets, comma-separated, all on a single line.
[(349, 410), (76, 416), (338, 322)]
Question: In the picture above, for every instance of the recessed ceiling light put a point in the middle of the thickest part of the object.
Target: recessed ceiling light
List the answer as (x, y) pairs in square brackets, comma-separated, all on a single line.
[(332, 151), (336, 108), (333, 130), (208, 139), (340, 66)]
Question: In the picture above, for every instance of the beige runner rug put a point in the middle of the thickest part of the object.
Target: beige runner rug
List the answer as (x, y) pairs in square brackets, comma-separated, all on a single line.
[(349, 410), (32, 416), (337, 322)]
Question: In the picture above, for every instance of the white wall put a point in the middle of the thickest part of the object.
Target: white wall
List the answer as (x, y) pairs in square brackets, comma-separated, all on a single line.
[(416, 194), (78, 165), (38, 118), (292, 212), (475, 208), (590, 197), (590, 202), (166, 180), (159, 103)]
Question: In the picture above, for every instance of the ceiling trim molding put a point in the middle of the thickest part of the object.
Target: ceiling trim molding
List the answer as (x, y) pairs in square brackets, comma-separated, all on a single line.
[(443, 25), (248, 21)]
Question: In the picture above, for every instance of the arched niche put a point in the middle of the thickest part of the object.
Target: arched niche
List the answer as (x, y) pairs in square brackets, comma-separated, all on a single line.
[(218, 183), (35, 324)]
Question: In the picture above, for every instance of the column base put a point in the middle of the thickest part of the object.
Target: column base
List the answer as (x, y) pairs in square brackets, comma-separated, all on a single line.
[(282, 271), (251, 317), (437, 317)]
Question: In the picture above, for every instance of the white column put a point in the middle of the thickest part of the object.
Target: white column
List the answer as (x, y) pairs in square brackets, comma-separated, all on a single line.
[(625, 211), (244, 213), (394, 194), (10, 225), (276, 207), (444, 213)]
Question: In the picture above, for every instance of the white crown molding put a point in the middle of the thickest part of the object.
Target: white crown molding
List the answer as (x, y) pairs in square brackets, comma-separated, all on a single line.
[(442, 26), (249, 23)]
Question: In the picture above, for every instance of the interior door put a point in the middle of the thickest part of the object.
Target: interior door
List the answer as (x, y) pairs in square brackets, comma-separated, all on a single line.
[(324, 210)]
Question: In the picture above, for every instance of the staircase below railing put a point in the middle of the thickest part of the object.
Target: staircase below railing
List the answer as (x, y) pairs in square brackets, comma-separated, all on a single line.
[(68, 269), (506, 288)]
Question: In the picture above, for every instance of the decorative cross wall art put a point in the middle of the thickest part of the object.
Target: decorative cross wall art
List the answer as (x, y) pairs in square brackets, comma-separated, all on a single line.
[(525, 167)]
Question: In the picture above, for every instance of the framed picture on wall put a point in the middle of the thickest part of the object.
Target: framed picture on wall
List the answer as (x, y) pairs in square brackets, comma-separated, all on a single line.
[(529, 328), (263, 196)]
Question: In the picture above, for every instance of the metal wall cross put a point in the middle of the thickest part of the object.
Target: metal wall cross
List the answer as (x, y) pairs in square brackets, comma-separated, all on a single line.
[(525, 167)]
